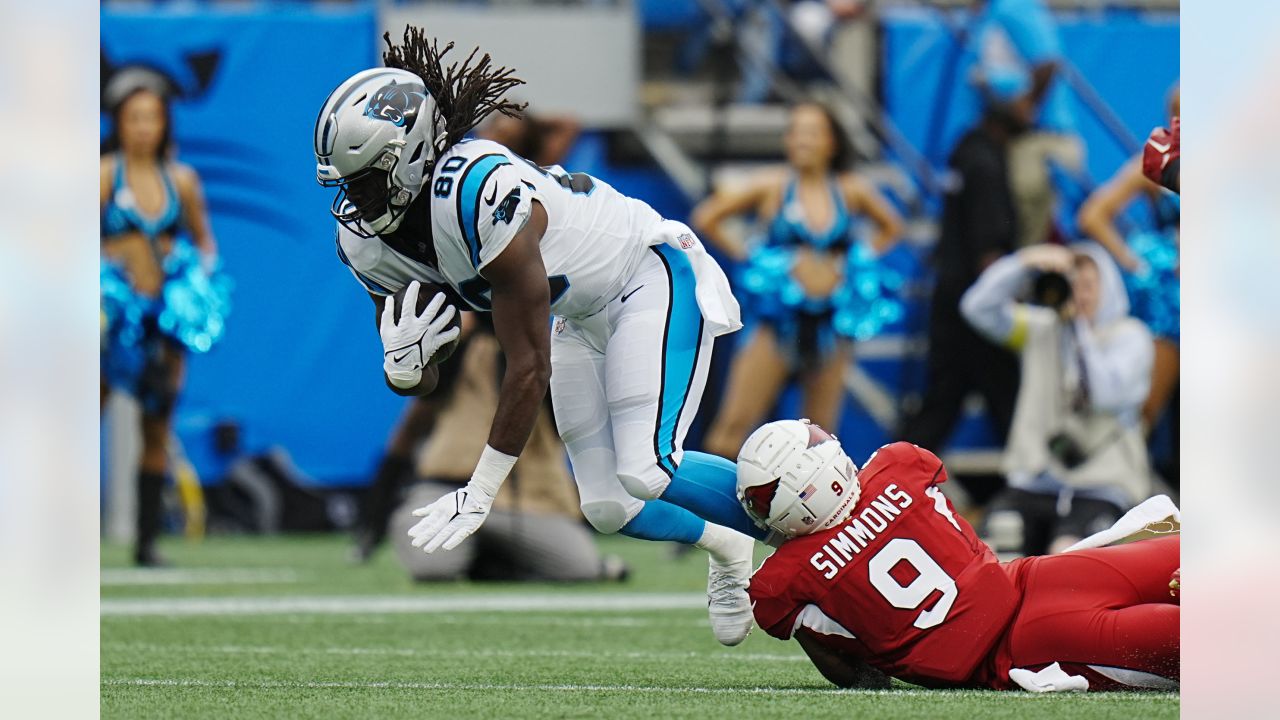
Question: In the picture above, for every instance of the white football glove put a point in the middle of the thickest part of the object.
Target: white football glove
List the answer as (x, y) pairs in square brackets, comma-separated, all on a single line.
[(451, 519), (408, 345)]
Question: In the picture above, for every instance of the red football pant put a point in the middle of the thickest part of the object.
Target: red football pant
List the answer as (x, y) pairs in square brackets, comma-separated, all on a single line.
[(1110, 606)]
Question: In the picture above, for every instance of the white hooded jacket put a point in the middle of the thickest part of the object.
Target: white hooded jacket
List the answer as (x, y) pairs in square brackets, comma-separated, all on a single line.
[(1113, 352)]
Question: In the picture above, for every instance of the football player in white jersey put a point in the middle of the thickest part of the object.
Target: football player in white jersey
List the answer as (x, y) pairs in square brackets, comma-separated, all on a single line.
[(637, 302)]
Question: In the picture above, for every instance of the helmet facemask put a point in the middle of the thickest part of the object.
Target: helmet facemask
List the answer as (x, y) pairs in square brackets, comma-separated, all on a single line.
[(376, 140), (368, 201)]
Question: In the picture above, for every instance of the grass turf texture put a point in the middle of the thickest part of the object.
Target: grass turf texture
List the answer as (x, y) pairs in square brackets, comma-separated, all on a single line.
[(370, 654)]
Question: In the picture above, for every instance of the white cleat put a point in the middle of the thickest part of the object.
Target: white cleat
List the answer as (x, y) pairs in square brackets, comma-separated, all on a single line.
[(727, 599)]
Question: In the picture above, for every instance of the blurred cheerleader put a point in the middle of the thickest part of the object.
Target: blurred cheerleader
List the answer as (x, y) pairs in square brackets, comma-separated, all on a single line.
[(794, 285), (158, 300), (1150, 262)]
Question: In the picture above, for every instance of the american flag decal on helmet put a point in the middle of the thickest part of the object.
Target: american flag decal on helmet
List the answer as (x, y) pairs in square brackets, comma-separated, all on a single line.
[(805, 493)]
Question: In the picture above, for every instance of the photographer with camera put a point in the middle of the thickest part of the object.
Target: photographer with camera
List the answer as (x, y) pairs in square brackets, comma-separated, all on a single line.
[(1075, 459)]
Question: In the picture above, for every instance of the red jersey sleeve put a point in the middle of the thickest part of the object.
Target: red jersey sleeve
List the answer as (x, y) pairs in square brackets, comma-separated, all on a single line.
[(773, 597)]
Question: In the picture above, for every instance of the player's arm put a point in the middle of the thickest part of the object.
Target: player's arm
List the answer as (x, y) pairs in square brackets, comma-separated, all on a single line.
[(521, 322), (842, 669), (1097, 216), (521, 302), (708, 217)]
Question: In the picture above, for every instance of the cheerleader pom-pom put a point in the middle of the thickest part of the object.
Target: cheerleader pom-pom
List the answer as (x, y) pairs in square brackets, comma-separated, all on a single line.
[(123, 312), (1155, 290), (196, 301), (871, 298)]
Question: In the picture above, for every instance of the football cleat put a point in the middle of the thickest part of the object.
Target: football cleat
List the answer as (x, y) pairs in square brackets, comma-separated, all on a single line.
[(727, 601)]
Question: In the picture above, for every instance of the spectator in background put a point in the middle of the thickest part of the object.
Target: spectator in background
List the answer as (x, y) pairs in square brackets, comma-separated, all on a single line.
[(544, 139), (147, 200), (810, 207), (979, 225), (535, 531), (1076, 459), (1097, 219), (1017, 42)]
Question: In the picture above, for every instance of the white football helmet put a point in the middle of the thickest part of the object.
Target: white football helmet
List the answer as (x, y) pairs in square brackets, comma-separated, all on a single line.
[(794, 478), (376, 138)]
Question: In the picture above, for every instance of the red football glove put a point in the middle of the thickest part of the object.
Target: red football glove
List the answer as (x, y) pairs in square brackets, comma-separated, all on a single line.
[(1161, 157)]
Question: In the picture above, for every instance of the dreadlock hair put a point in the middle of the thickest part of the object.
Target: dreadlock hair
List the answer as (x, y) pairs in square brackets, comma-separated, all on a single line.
[(465, 93)]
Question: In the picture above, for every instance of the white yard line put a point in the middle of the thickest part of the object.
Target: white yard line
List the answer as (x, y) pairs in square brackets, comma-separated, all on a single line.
[(389, 604), (187, 649), (392, 685), (538, 687), (211, 576)]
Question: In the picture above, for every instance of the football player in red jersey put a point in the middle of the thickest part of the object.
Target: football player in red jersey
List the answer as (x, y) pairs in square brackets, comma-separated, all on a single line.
[(880, 574)]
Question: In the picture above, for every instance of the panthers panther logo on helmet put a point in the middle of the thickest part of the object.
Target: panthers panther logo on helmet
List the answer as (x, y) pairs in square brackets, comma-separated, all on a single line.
[(397, 104)]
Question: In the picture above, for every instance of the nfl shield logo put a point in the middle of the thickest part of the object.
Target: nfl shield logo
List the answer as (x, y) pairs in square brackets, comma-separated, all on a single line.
[(686, 240)]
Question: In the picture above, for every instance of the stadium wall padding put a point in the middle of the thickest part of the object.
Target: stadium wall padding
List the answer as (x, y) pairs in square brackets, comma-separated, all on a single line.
[(300, 363)]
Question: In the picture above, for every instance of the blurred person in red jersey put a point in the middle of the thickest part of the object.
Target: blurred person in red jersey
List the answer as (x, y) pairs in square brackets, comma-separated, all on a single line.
[(148, 200), (878, 576), (810, 209)]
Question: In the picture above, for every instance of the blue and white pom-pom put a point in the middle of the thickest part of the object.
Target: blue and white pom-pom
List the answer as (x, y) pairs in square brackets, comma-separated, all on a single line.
[(870, 297), (123, 314), (196, 301), (1155, 291)]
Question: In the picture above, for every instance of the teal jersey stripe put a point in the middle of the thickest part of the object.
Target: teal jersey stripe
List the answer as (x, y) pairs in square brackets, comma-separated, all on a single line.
[(471, 185), (681, 343)]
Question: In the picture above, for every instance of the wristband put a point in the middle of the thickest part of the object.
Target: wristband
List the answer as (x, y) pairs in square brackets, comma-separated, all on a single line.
[(491, 470)]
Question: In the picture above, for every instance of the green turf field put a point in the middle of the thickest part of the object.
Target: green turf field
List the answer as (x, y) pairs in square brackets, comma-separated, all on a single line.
[(286, 628)]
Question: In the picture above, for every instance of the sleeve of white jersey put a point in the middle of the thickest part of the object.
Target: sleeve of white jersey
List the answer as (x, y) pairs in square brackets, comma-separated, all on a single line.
[(362, 259), (493, 204)]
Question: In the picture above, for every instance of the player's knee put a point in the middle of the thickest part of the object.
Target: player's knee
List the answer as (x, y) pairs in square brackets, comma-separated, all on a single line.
[(644, 484), (606, 516)]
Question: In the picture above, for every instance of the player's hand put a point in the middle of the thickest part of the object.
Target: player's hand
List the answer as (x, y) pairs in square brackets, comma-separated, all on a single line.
[(408, 345), (451, 519)]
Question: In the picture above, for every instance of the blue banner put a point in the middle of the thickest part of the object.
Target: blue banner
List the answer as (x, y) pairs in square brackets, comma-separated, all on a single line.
[(300, 363)]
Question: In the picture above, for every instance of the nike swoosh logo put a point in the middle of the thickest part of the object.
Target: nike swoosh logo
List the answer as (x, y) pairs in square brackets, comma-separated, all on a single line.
[(398, 359), (633, 292), (492, 197)]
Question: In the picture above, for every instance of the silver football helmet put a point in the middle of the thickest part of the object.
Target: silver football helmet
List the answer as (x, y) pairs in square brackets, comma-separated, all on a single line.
[(376, 139)]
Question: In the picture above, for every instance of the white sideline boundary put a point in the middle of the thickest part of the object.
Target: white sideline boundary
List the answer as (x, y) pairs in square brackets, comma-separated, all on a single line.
[(128, 577), (392, 685), (460, 653), (392, 604), (538, 687)]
